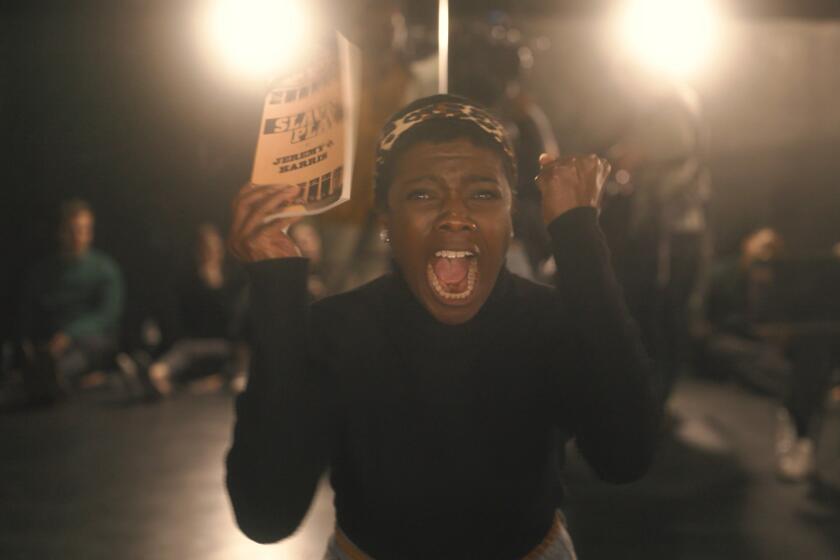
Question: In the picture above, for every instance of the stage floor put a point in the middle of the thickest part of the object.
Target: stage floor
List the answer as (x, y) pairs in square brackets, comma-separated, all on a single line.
[(98, 477)]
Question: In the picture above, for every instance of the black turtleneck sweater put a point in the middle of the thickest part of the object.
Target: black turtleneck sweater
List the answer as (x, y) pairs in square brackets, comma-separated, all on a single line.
[(441, 439)]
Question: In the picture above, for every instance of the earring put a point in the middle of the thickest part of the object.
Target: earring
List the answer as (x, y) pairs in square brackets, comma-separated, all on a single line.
[(383, 235)]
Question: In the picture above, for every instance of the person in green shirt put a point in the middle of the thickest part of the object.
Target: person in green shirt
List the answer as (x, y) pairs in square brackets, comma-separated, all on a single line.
[(71, 309)]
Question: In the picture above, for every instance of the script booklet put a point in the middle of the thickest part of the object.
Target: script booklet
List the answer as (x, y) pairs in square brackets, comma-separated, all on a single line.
[(307, 136)]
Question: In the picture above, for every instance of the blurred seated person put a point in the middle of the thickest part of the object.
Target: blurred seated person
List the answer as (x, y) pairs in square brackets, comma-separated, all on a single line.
[(779, 366), (71, 309), (211, 301), (729, 293)]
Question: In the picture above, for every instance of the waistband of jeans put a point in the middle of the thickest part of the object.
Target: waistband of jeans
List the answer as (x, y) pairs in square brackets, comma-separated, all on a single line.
[(556, 532)]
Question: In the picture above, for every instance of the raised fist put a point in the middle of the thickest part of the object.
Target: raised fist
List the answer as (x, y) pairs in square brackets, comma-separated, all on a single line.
[(570, 182)]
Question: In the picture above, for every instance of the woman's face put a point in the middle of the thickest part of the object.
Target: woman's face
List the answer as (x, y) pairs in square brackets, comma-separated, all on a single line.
[(449, 221)]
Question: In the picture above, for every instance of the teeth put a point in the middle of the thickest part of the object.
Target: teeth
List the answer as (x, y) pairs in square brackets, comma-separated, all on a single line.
[(454, 254), (439, 289)]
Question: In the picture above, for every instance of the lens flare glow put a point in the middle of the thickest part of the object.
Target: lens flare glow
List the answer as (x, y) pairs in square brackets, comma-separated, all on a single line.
[(256, 38), (674, 36)]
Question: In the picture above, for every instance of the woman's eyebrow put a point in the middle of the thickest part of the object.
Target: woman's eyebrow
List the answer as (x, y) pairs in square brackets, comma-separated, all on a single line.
[(420, 179), (475, 178)]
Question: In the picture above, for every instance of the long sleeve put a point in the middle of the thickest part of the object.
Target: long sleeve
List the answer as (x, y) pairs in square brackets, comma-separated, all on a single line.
[(282, 432), (105, 316), (611, 397)]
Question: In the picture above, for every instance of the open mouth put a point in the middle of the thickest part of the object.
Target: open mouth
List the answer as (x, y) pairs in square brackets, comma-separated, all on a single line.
[(453, 275)]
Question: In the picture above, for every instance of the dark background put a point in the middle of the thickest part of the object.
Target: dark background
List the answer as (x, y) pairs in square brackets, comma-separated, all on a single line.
[(113, 102)]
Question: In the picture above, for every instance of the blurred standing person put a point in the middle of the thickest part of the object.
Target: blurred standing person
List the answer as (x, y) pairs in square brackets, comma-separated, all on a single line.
[(211, 301), (352, 253), (71, 309), (487, 62), (657, 227)]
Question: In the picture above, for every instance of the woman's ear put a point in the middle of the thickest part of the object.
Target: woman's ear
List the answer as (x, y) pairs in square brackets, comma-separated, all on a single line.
[(384, 227)]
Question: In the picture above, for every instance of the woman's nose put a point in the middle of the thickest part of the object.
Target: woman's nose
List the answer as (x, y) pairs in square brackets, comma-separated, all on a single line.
[(456, 221)]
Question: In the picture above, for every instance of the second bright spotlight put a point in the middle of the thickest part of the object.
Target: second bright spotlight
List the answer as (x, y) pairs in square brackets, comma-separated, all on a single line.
[(671, 36)]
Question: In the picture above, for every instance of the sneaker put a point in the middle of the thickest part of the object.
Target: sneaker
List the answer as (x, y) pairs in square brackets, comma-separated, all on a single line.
[(798, 463)]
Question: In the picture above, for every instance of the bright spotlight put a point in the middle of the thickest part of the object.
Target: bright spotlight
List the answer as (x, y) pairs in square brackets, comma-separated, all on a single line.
[(674, 36), (257, 38)]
